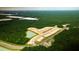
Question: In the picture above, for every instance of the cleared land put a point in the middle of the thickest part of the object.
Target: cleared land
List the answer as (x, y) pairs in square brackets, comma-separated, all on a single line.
[(14, 31)]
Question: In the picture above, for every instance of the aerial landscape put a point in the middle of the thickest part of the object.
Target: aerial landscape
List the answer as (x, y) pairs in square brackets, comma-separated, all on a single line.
[(39, 29)]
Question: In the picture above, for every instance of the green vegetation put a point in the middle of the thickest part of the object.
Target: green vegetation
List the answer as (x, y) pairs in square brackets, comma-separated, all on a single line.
[(14, 31), (67, 40)]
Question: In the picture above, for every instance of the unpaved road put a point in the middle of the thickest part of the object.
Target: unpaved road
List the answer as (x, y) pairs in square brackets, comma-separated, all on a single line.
[(11, 46)]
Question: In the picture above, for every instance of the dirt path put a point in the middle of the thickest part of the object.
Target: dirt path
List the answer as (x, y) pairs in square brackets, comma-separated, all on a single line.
[(11, 46)]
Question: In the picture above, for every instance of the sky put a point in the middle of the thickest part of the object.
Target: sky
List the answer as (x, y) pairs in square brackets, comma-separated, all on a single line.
[(39, 8)]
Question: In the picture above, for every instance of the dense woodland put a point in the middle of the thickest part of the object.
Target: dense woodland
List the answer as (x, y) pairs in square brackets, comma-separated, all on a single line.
[(14, 31)]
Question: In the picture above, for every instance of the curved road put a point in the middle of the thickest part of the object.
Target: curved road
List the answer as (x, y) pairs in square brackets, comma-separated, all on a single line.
[(10, 46)]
